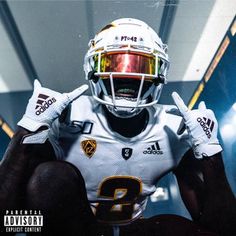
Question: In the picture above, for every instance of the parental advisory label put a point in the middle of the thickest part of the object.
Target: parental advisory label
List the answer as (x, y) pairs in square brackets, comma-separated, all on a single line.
[(23, 221)]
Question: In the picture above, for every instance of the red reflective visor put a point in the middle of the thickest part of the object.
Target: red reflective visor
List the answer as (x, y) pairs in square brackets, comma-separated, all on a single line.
[(127, 63)]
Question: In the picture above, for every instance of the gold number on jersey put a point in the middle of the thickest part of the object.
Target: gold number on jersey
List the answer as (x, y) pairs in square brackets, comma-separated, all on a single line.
[(119, 194)]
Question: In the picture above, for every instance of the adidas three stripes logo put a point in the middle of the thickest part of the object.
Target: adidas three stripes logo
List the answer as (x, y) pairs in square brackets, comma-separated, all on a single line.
[(207, 125), (43, 103), (153, 149), (41, 100)]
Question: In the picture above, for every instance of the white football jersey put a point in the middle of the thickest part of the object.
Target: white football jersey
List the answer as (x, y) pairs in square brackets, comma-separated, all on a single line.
[(119, 172)]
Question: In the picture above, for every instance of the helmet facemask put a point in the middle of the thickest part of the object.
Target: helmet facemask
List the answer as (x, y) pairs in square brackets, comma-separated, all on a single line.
[(126, 94)]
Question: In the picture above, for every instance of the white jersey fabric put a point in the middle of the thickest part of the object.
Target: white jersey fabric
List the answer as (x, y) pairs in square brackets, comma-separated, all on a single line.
[(119, 172)]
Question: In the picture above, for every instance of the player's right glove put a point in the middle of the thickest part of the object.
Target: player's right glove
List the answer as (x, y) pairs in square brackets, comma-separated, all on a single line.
[(202, 127), (45, 105)]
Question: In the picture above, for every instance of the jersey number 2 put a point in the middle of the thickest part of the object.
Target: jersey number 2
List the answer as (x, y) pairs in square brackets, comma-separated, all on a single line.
[(119, 194)]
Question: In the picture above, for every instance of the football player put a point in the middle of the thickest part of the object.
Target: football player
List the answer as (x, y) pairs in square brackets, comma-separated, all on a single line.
[(89, 163)]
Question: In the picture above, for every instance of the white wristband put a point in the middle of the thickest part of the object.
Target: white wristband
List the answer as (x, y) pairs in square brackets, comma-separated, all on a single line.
[(36, 138), (30, 124), (206, 150)]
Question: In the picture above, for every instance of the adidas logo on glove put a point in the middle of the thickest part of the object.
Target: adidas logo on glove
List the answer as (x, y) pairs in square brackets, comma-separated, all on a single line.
[(43, 103), (207, 125)]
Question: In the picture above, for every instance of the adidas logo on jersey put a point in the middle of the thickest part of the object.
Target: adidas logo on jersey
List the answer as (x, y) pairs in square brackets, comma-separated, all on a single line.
[(43, 103), (154, 149), (207, 125)]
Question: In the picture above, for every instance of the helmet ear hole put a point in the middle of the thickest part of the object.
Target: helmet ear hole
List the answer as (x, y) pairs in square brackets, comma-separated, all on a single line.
[(92, 76)]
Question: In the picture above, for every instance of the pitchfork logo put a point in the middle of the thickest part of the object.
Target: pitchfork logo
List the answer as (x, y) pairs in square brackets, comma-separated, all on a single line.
[(43, 103), (207, 125)]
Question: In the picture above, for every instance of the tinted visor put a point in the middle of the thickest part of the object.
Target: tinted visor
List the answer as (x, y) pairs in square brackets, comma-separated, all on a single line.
[(124, 62)]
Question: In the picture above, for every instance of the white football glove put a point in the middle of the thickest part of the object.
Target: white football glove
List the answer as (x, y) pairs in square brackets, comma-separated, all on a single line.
[(202, 127), (45, 105)]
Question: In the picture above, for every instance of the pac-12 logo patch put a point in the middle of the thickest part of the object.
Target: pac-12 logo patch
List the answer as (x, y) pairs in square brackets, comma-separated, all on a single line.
[(89, 147), (127, 153)]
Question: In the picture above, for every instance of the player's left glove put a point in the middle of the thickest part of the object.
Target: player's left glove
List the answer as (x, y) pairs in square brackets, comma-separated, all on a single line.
[(202, 127)]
